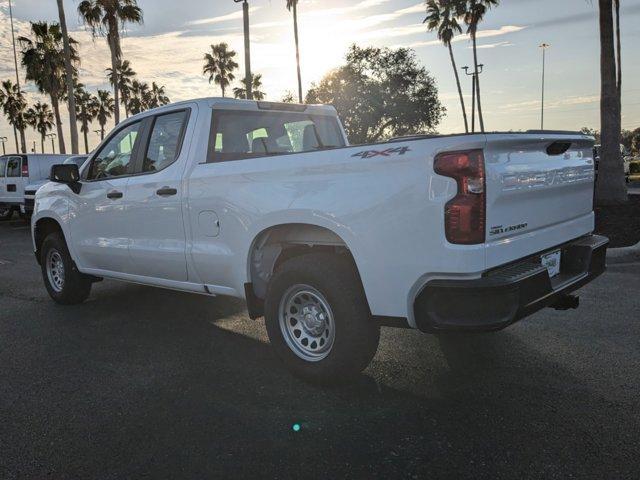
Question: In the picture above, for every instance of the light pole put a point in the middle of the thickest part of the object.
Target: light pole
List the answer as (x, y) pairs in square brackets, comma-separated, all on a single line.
[(3, 139), (52, 136), (474, 79), (15, 63), (247, 48), (544, 47)]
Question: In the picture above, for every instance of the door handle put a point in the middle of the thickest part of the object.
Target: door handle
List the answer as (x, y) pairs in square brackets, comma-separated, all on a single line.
[(114, 194), (166, 191)]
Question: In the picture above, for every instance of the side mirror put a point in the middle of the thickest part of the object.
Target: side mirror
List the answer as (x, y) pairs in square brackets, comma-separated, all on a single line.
[(68, 174)]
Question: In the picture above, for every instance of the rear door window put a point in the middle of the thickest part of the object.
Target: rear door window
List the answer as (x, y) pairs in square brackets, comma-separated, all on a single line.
[(3, 167), (241, 134), (165, 141)]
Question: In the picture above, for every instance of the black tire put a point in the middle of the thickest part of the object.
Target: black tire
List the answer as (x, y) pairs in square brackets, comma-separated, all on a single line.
[(75, 286), (356, 335), (6, 215)]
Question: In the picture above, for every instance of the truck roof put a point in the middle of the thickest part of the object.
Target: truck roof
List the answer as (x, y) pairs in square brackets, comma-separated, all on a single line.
[(246, 105)]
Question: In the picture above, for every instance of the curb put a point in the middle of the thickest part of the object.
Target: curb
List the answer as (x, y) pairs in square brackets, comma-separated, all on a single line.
[(624, 255)]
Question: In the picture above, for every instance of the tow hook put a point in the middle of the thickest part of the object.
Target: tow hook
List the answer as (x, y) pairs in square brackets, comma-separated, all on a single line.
[(567, 302)]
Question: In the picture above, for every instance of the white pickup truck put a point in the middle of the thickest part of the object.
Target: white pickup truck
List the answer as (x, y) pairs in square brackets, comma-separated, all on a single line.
[(269, 203)]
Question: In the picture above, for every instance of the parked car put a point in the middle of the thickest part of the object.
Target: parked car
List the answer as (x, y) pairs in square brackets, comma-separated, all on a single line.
[(26, 207), (269, 203), (18, 171), (634, 169), (626, 160)]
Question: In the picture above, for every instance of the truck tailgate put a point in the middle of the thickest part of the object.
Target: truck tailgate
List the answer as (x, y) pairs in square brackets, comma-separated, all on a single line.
[(539, 193)]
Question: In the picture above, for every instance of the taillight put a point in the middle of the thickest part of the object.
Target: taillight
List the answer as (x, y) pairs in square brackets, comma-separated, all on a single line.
[(465, 214), (25, 167)]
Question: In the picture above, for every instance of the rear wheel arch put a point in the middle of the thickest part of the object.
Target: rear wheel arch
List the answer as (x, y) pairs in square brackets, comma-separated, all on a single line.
[(279, 243)]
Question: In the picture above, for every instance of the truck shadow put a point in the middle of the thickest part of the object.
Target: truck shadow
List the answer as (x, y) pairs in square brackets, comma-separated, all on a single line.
[(139, 381)]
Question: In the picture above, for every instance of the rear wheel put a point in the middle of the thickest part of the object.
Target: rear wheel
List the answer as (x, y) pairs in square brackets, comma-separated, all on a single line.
[(65, 284), (6, 213), (318, 319)]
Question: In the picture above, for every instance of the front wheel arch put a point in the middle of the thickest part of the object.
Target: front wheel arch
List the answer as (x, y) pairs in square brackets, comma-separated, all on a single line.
[(42, 229)]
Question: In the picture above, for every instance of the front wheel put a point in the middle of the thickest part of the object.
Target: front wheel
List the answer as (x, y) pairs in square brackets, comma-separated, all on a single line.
[(64, 283), (318, 319)]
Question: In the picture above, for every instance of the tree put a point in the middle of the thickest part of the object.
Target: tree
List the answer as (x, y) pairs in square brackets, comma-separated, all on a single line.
[(256, 85), (87, 110), (442, 15), (124, 77), (616, 5), (140, 96), (591, 131), (43, 58), (610, 186), (381, 93), (288, 97), (105, 107), (68, 65), (474, 13), (13, 106), (220, 65), (156, 96), (108, 18), (635, 142), (40, 117), (293, 5)]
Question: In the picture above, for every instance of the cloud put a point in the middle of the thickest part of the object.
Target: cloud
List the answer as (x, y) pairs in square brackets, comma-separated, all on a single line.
[(237, 15), (505, 30), (494, 45), (565, 102), (590, 16)]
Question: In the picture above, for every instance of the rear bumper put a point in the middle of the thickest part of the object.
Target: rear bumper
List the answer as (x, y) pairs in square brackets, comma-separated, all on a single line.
[(509, 293)]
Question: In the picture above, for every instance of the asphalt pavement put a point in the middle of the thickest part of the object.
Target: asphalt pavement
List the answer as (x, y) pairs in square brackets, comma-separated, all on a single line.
[(147, 383)]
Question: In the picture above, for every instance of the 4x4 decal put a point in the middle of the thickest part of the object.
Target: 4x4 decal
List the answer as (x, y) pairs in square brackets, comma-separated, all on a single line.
[(382, 153)]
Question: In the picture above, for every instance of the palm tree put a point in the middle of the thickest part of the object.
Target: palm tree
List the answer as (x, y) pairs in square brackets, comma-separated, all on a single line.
[(13, 106), (219, 65), (288, 97), (68, 66), (474, 12), (108, 18), (293, 5), (140, 97), (125, 76), (104, 108), (40, 117), (87, 109), (442, 15), (610, 187), (256, 85), (157, 96), (43, 58)]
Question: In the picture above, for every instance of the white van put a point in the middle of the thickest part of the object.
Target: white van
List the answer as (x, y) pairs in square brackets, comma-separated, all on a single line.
[(26, 207), (16, 172)]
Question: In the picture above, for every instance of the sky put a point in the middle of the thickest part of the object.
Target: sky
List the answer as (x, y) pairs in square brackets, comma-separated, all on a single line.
[(169, 49)]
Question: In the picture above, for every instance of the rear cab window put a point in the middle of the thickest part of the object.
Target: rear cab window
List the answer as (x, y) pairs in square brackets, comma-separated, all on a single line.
[(239, 135)]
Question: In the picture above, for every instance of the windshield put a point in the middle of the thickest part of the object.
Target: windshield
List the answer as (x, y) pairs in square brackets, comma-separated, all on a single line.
[(240, 134)]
